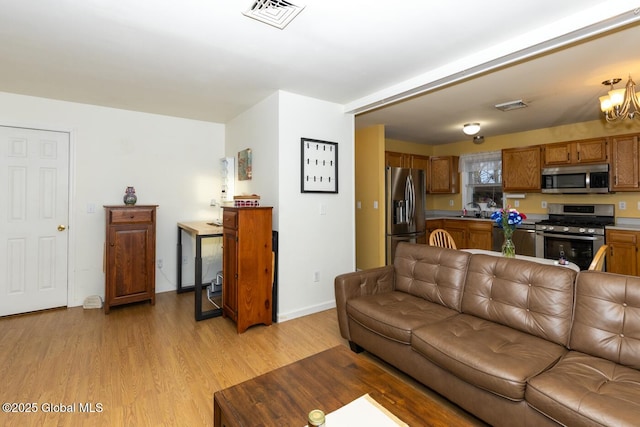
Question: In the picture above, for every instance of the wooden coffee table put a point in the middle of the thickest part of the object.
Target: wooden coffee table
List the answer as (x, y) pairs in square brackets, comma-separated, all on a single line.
[(327, 381)]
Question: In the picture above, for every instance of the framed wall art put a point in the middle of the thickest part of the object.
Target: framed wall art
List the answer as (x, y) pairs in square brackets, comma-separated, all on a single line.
[(244, 165), (319, 168)]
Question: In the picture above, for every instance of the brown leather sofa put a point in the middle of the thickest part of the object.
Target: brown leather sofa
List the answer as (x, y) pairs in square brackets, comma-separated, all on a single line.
[(511, 341)]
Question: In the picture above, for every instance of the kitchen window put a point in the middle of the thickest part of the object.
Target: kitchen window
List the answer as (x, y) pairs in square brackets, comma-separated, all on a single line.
[(481, 175)]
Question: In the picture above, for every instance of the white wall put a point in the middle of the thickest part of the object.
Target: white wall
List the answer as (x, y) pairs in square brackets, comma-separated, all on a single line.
[(170, 161), (308, 241)]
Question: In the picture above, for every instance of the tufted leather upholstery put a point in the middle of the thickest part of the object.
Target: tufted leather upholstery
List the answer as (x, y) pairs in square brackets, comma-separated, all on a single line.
[(434, 274), (512, 341), (530, 297), (607, 317)]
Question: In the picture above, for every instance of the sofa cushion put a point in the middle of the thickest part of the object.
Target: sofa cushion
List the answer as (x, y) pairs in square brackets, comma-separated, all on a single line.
[(431, 273), (528, 296), (394, 315), (587, 390), (487, 355), (607, 317)]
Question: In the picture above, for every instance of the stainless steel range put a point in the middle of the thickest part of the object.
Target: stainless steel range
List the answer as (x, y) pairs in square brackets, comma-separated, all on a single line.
[(575, 230)]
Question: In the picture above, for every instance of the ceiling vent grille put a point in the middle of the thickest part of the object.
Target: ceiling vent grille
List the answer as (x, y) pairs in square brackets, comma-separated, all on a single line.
[(511, 105), (277, 13)]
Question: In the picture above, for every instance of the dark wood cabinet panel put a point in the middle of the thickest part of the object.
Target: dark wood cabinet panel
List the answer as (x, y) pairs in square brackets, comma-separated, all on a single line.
[(247, 266), (130, 253)]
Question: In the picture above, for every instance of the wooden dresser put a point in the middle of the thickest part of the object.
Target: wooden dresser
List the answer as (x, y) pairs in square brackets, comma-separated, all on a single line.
[(130, 254), (247, 266)]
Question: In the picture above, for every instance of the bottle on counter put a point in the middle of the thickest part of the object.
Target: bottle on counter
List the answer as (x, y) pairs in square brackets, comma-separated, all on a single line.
[(562, 260)]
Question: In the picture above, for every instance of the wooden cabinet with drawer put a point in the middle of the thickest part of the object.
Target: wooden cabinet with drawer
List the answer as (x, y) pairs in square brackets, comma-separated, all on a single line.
[(470, 233), (247, 264), (130, 255), (622, 256)]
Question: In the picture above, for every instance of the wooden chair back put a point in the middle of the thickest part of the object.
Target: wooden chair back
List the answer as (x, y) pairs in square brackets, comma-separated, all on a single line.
[(598, 259), (441, 238)]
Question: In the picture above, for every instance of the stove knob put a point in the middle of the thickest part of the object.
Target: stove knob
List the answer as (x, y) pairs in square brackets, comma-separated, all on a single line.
[(550, 228), (543, 227), (582, 230), (565, 229), (592, 230)]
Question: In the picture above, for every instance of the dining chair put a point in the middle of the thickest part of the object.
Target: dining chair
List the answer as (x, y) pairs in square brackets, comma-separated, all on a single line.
[(441, 238), (598, 260)]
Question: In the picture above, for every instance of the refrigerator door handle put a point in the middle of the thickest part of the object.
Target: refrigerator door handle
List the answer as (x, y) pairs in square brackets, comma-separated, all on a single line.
[(409, 195)]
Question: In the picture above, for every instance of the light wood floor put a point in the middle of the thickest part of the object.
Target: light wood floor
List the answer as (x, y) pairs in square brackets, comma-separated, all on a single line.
[(143, 365)]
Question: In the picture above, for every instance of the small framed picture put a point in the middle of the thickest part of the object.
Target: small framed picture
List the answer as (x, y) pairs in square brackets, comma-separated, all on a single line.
[(319, 169)]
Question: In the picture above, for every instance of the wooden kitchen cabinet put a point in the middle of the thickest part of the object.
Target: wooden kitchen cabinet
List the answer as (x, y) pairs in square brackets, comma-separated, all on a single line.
[(622, 256), (404, 160), (625, 175), (576, 152), (521, 169), (443, 175), (130, 255), (469, 233), (247, 266)]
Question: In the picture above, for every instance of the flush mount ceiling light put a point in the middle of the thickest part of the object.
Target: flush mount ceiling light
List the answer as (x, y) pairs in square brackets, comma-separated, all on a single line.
[(277, 13), (471, 128), (620, 103)]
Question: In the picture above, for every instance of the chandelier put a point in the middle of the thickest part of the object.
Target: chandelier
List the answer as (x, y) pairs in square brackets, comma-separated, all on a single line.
[(620, 103)]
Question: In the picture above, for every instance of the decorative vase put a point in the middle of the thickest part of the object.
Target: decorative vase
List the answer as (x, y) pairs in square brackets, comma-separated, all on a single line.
[(508, 248), (130, 197)]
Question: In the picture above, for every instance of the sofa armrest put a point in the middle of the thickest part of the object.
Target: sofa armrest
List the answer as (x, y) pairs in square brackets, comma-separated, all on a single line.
[(352, 285)]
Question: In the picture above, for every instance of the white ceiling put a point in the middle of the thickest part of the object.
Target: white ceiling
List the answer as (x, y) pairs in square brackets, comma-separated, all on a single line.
[(203, 59)]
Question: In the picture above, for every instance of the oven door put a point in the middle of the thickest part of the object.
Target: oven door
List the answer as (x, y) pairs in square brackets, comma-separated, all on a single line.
[(577, 248)]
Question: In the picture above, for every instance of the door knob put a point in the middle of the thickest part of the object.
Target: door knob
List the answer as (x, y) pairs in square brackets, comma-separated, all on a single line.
[(61, 227)]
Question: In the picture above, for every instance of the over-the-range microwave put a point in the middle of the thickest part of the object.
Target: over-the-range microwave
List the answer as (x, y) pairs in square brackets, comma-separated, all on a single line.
[(576, 179)]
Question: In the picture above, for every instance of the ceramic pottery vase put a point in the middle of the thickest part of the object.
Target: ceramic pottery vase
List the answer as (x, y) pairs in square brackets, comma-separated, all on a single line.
[(130, 197)]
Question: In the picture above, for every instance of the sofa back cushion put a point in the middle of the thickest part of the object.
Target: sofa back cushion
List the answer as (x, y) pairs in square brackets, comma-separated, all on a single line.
[(606, 320), (432, 273), (525, 295)]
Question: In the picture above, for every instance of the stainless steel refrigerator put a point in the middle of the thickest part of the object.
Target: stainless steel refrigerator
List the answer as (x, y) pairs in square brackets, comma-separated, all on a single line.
[(404, 201)]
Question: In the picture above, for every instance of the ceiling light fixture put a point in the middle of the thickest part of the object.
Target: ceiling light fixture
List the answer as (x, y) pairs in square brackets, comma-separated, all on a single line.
[(471, 128), (620, 103)]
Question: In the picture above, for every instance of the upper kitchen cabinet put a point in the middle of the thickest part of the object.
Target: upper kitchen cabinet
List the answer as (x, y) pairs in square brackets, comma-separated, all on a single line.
[(443, 174), (404, 160), (576, 152), (521, 169), (396, 160), (624, 163)]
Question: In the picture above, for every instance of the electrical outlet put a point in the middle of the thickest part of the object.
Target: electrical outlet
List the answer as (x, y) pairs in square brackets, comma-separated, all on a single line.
[(622, 205), (316, 276), (160, 263), (639, 206), (184, 259), (359, 204), (375, 204), (516, 203), (543, 204), (450, 202)]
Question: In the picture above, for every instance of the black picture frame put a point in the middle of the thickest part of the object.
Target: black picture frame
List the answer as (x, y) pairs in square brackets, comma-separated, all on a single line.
[(319, 166)]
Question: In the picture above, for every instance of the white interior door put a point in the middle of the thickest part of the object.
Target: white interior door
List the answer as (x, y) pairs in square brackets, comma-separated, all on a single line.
[(34, 214)]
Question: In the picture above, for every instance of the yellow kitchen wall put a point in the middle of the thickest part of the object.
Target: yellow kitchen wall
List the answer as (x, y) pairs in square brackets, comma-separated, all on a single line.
[(369, 182), (533, 201)]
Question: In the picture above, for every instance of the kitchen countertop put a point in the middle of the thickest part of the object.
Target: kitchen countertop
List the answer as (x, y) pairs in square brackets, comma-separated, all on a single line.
[(631, 224), (531, 219)]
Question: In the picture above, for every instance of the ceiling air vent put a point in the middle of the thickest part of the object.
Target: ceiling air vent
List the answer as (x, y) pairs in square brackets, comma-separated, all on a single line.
[(511, 105), (273, 12)]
